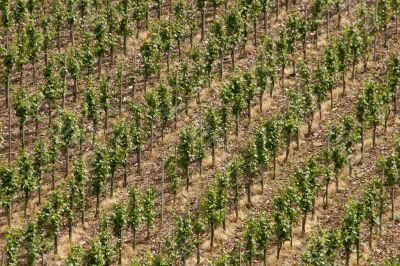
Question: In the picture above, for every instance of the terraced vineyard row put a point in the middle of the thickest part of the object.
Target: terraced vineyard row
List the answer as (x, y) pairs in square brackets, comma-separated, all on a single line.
[(141, 133)]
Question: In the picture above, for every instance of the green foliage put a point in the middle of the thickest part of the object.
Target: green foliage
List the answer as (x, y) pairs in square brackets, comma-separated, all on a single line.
[(94, 256), (83, 7), (35, 106), (104, 97), (166, 35), (235, 26), (370, 200), (118, 148), (321, 248), (74, 63), (13, 238), (59, 16), (198, 227), (385, 97), (171, 174), (118, 219), (331, 62), (186, 148), (22, 106), (183, 235), (212, 213), (112, 25), (289, 125), (91, 105), (69, 130), (390, 170), (199, 146), (322, 84), (268, 47), (250, 234), (366, 37), (148, 202), (212, 52), (201, 4), (105, 242), (25, 171), (296, 102), (151, 57), (171, 248), (6, 15), (293, 27), (327, 174), (273, 135), (20, 11), (222, 183), (342, 51), (393, 260), (350, 229), (152, 111), (118, 222), (101, 169), (337, 157), (100, 33), (70, 13), (236, 94), (33, 44), (75, 255), (88, 53), (383, 13), (262, 74), (212, 127), (354, 40), (191, 16), (9, 185), (180, 14), (138, 111), (31, 240), (249, 161), (264, 232), (335, 131), (234, 173), (9, 60), (219, 33), (78, 182), (305, 185), (135, 209), (54, 144), (184, 83), (51, 89), (21, 53), (49, 220), (140, 10), (136, 136), (350, 133), (150, 260), (164, 104), (373, 105), (284, 214), (282, 47), (249, 87), (40, 160), (393, 70)]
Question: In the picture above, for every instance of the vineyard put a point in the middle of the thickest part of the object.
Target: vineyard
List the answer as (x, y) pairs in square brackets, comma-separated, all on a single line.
[(172, 132)]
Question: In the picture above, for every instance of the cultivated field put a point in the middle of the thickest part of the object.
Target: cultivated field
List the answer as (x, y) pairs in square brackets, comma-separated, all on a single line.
[(236, 132)]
